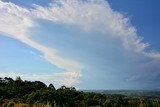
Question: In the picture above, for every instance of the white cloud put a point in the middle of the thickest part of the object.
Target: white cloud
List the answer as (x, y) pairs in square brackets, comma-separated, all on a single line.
[(153, 54), (95, 14), (57, 78), (15, 22)]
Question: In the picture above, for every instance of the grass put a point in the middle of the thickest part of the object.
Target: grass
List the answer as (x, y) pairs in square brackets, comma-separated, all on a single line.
[(13, 104)]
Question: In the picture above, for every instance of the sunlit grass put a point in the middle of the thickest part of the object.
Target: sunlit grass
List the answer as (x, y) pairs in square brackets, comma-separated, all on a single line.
[(13, 104)]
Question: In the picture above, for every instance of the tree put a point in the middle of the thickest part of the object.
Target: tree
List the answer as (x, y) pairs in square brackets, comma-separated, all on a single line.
[(18, 79), (51, 86)]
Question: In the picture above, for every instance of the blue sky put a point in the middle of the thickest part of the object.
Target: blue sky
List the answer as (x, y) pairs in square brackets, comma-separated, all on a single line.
[(92, 44), (144, 16)]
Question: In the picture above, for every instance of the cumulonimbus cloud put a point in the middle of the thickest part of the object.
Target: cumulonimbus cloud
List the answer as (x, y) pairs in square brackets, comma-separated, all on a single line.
[(16, 22)]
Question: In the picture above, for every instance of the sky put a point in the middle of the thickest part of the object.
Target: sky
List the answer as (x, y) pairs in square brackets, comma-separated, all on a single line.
[(88, 44)]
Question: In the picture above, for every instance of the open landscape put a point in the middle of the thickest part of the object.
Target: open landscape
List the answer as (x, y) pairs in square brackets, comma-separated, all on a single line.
[(79, 53), (19, 93)]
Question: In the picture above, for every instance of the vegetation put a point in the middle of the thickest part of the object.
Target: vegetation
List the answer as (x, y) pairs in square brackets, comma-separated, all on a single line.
[(19, 93)]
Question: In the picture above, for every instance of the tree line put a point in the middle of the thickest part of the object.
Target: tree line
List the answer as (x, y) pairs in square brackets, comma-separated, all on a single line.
[(19, 93)]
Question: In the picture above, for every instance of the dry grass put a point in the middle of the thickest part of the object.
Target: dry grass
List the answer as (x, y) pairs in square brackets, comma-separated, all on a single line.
[(13, 104), (42, 105)]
